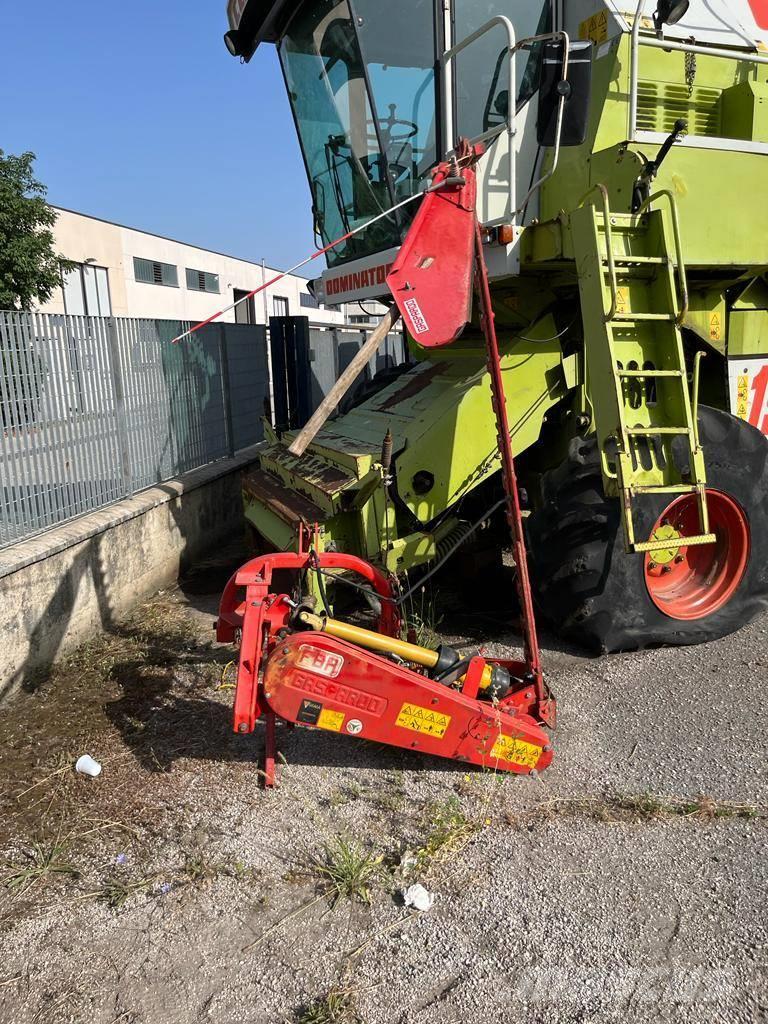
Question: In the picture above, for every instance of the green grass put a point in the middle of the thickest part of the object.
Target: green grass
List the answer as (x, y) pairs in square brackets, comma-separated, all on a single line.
[(344, 795), (638, 807), (449, 833), (644, 806), (421, 621), (334, 1008), (41, 861), (240, 871), (389, 800), (198, 869), (350, 870), (152, 636), (116, 893)]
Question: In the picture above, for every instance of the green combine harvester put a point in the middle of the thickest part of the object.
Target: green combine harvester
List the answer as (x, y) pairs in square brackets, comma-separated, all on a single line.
[(623, 196)]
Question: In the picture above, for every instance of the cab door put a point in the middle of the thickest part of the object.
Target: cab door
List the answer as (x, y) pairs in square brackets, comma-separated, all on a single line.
[(481, 98)]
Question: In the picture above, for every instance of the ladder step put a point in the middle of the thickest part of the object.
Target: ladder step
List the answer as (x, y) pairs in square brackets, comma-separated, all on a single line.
[(628, 261), (651, 373), (663, 488), (652, 431), (676, 542), (621, 221), (669, 318)]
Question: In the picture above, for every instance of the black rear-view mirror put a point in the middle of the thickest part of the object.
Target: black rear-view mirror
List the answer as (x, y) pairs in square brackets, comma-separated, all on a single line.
[(576, 89)]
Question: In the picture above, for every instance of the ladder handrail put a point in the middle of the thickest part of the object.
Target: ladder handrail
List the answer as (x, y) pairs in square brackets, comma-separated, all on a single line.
[(513, 46), (446, 60), (695, 397), (609, 246), (446, 95), (680, 263), (620, 436)]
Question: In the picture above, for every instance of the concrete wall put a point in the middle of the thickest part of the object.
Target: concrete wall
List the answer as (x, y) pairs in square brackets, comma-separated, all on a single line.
[(80, 238), (58, 589)]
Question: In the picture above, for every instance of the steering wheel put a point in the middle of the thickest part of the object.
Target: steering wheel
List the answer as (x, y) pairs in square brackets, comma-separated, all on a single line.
[(387, 125)]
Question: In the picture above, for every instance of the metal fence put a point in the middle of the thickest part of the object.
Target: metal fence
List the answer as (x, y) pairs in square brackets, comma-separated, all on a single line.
[(93, 409), (307, 359), (332, 348)]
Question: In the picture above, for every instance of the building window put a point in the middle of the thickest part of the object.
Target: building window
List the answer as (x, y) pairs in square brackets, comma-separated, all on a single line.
[(150, 272), (245, 310), (279, 306), (200, 281), (308, 300), (86, 291), (370, 320)]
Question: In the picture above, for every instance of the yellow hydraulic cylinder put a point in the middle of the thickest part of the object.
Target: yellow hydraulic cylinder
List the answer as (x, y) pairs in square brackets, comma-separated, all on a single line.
[(387, 644), (373, 641)]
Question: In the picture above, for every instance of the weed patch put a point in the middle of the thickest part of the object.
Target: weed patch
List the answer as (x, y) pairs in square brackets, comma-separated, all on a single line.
[(449, 833), (637, 807), (350, 870), (337, 1007), (115, 893), (41, 861)]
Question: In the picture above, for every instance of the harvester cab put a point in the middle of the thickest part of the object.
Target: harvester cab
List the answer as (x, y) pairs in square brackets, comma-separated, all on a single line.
[(612, 162), (380, 96)]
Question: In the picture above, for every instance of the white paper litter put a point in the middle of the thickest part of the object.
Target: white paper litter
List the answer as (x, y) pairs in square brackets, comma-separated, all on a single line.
[(416, 896)]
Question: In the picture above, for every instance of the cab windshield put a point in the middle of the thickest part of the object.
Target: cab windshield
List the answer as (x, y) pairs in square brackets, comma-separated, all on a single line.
[(362, 159), (361, 79)]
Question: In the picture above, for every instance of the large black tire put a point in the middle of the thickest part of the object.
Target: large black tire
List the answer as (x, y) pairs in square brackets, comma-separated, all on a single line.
[(592, 592)]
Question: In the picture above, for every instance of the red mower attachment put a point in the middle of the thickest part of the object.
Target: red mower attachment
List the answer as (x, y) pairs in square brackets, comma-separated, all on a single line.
[(314, 671)]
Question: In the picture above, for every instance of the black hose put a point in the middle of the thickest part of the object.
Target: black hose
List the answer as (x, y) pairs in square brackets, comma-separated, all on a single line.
[(409, 593), (453, 672), (315, 565)]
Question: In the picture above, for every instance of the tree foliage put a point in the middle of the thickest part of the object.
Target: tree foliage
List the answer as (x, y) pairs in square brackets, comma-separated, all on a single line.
[(30, 268)]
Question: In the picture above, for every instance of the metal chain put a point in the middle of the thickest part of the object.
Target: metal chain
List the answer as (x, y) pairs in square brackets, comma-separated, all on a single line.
[(690, 71)]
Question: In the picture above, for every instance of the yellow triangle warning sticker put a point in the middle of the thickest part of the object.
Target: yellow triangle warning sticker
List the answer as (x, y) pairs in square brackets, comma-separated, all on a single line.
[(595, 28)]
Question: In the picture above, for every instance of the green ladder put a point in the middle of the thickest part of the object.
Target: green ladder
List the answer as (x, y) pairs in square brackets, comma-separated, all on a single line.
[(634, 297)]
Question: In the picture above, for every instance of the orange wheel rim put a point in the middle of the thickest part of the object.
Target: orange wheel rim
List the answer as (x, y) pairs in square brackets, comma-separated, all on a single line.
[(691, 582)]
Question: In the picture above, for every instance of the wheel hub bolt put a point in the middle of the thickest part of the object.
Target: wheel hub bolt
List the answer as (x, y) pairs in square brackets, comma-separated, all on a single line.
[(679, 559), (667, 568), (652, 566)]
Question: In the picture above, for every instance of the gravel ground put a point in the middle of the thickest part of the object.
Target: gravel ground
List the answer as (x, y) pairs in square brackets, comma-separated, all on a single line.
[(626, 883)]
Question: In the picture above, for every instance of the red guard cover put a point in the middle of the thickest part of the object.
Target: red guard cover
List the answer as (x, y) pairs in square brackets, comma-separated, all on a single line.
[(760, 11), (431, 279)]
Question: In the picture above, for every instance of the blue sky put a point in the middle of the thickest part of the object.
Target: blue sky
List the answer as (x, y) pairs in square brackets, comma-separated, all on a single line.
[(138, 114)]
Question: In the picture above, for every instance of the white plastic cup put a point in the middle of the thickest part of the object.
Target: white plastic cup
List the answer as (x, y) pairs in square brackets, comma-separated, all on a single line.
[(86, 765)]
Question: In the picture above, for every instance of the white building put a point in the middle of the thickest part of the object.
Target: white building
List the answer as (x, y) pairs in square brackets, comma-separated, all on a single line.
[(125, 272)]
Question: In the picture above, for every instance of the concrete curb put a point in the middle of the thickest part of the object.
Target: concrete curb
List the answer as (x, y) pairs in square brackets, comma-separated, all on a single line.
[(75, 531), (60, 588)]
